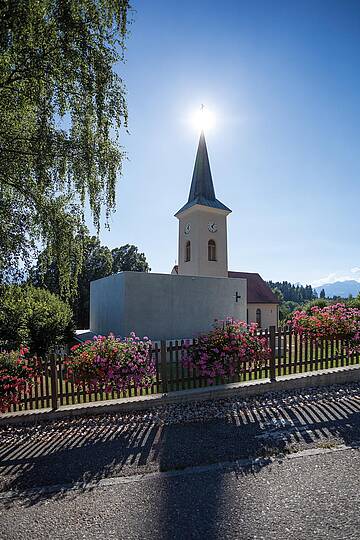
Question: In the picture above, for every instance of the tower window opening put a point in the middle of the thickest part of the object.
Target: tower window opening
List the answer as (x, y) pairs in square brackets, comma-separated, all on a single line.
[(211, 250), (258, 317), (187, 251)]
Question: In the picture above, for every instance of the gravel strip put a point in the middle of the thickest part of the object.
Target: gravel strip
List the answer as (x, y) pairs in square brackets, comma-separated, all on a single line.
[(195, 411)]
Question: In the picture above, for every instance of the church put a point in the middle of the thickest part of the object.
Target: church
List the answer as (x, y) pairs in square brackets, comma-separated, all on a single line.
[(199, 290), (203, 249)]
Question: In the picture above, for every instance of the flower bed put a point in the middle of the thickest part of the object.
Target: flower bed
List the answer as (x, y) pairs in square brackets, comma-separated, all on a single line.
[(110, 363), (334, 321), (16, 376), (226, 350)]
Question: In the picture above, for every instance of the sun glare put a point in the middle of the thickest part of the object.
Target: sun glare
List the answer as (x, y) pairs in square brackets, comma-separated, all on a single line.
[(203, 119)]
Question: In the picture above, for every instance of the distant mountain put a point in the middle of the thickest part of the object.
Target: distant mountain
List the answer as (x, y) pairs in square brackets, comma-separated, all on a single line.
[(340, 288)]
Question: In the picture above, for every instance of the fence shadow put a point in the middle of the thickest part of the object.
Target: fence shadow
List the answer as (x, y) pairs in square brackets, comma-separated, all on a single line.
[(60, 456), (86, 450)]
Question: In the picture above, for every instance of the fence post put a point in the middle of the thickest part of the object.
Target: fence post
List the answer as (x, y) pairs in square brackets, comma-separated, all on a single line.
[(53, 375), (272, 373), (163, 366)]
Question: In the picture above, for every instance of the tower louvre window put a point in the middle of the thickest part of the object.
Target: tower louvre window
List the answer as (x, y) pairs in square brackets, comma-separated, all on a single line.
[(187, 251), (211, 250)]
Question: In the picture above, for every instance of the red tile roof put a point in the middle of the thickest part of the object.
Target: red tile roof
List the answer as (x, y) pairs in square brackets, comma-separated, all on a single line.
[(258, 292)]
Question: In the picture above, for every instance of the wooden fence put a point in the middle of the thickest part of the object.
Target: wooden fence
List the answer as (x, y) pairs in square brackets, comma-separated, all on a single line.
[(290, 354)]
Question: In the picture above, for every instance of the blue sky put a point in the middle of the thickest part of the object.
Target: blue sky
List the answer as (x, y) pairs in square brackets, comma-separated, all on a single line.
[(283, 79)]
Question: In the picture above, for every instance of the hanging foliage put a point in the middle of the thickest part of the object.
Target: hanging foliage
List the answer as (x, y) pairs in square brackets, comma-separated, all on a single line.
[(226, 350), (17, 376), (61, 108), (108, 363)]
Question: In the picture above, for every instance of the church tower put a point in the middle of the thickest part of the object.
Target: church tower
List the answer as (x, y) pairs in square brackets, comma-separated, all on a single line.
[(202, 224)]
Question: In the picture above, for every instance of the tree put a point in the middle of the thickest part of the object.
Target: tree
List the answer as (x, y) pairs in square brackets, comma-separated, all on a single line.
[(320, 303), (322, 293), (286, 309), (34, 317), (61, 109), (100, 262), (128, 258), (97, 264), (14, 223), (294, 293), (279, 295), (354, 302)]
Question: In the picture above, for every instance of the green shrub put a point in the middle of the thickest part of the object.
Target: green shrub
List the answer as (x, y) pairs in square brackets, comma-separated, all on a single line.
[(354, 302), (319, 303), (33, 317)]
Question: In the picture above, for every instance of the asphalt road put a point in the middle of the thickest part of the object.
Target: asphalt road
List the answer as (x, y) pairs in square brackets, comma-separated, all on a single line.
[(303, 497), (162, 474)]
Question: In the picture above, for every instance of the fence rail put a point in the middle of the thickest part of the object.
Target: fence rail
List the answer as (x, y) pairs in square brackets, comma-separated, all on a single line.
[(290, 354)]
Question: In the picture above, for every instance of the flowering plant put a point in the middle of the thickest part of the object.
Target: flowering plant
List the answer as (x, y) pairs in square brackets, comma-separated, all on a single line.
[(332, 321), (110, 363), (224, 350), (16, 376)]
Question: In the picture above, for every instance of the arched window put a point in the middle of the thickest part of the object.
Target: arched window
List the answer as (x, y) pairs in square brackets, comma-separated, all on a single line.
[(258, 317), (187, 251), (211, 250)]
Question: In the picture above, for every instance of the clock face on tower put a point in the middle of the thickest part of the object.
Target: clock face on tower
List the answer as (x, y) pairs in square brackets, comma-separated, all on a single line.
[(187, 228), (212, 226)]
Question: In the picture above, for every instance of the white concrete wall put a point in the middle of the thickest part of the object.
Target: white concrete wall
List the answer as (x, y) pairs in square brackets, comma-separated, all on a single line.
[(163, 306), (199, 217), (269, 314)]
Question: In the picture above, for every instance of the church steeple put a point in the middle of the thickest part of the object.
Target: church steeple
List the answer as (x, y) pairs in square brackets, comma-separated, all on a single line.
[(202, 224), (202, 187)]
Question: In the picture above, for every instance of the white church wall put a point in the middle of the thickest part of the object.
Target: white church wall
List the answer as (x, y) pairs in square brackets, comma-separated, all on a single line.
[(269, 314), (163, 306)]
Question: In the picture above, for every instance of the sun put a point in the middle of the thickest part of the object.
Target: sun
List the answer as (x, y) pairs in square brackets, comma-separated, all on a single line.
[(203, 119)]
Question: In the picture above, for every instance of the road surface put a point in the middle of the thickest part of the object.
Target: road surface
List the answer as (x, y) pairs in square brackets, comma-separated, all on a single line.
[(305, 497)]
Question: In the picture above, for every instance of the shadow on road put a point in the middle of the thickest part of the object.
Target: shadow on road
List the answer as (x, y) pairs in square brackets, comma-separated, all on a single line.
[(86, 450)]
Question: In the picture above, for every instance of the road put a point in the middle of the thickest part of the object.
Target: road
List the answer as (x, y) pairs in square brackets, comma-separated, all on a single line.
[(227, 469), (301, 497)]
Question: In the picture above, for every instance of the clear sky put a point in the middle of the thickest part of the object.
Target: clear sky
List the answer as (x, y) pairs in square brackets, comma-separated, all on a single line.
[(283, 79)]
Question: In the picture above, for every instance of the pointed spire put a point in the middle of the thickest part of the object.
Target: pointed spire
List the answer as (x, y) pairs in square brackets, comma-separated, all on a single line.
[(202, 188), (202, 185)]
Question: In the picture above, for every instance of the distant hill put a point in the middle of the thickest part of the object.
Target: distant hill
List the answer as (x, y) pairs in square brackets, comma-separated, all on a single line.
[(340, 288)]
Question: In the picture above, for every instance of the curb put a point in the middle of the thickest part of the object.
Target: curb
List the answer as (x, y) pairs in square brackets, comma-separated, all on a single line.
[(327, 377)]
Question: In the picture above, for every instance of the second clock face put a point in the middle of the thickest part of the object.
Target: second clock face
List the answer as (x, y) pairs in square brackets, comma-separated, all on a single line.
[(187, 228), (212, 226)]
